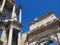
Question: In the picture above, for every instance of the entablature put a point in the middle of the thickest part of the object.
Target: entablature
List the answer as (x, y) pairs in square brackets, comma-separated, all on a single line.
[(6, 25), (43, 27), (43, 31), (42, 34)]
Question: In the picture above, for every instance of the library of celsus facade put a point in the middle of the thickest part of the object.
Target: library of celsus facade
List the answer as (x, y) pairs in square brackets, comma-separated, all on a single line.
[(10, 23)]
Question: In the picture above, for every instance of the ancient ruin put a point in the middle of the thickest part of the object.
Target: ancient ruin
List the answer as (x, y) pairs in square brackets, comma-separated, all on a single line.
[(44, 30), (10, 23)]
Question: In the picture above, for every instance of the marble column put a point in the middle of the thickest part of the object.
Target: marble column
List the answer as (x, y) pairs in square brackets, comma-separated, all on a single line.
[(10, 36), (14, 17), (3, 3), (20, 15), (57, 38), (13, 12), (19, 39), (4, 37)]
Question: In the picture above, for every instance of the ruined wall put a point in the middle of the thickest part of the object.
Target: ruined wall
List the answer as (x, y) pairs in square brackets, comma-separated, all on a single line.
[(42, 22)]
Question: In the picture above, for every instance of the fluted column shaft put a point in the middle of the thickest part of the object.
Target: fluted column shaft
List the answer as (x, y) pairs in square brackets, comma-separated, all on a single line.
[(14, 17), (10, 36), (3, 3), (20, 15), (19, 39)]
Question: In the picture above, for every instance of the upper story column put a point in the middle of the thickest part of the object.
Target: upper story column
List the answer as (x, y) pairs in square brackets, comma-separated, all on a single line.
[(14, 17), (2, 6), (19, 34), (20, 14)]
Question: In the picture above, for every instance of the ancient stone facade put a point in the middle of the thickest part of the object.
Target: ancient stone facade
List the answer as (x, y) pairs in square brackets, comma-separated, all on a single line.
[(44, 30), (11, 26)]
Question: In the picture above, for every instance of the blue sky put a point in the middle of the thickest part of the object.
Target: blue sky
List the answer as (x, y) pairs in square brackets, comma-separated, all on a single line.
[(37, 8)]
